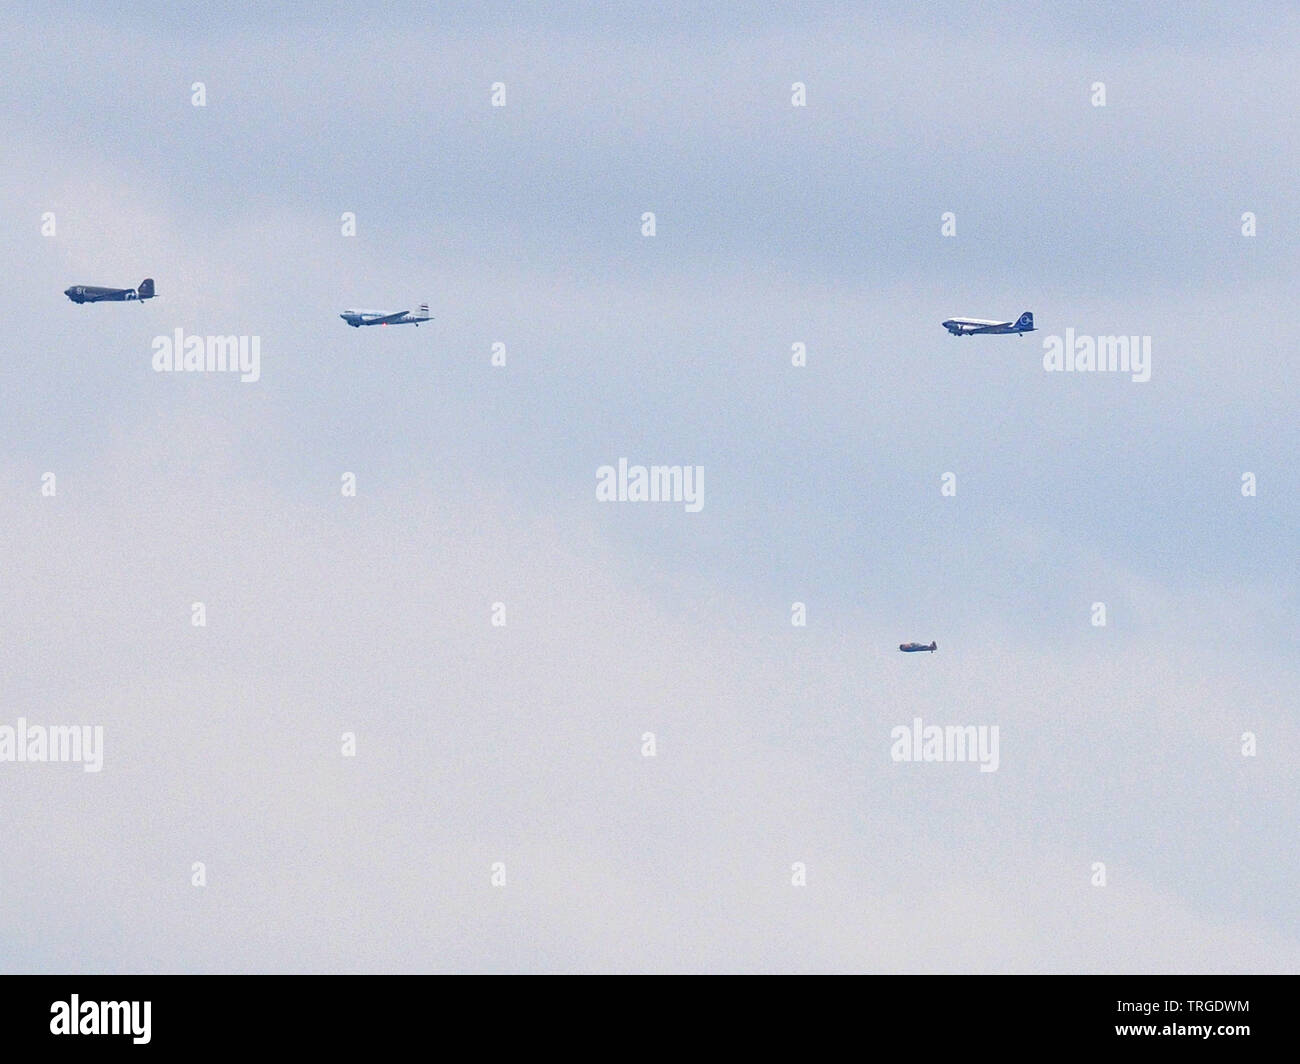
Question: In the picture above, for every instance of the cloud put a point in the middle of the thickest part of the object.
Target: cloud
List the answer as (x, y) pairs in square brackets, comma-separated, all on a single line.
[(522, 744)]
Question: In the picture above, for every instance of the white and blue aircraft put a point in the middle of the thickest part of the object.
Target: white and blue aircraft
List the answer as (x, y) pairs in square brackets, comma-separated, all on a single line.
[(358, 318), (973, 326)]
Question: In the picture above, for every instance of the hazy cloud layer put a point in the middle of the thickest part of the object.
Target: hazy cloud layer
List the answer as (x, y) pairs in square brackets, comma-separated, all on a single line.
[(476, 485)]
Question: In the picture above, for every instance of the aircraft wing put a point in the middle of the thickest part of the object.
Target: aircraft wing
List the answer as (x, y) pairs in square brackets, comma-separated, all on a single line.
[(387, 318)]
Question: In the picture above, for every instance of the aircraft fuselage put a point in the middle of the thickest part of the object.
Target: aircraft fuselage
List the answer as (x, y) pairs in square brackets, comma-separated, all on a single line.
[(86, 293), (358, 318), (975, 326)]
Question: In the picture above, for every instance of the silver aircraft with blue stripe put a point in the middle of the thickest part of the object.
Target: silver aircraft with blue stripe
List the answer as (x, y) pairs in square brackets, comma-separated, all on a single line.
[(358, 318)]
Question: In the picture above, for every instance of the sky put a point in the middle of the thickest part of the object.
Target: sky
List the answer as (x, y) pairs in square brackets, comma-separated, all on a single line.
[(499, 812)]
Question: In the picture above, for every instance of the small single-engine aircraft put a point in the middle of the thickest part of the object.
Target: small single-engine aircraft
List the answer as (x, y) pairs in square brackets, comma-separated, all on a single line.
[(974, 326), (358, 318), (84, 293), (912, 648)]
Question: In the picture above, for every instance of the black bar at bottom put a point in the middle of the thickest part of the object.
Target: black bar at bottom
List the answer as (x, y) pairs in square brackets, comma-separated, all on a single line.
[(613, 1015)]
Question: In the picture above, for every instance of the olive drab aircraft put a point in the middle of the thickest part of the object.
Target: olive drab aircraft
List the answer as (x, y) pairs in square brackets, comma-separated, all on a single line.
[(85, 293)]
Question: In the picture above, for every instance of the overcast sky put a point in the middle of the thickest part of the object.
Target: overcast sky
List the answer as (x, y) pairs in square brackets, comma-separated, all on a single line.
[(476, 484)]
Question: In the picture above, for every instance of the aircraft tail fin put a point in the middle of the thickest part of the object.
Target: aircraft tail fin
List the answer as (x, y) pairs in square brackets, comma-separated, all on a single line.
[(145, 291), (424, 310), (933, 646), (1026, 321)]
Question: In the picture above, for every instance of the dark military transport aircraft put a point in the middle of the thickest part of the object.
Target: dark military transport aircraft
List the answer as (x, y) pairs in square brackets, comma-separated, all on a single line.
[(85, 293)]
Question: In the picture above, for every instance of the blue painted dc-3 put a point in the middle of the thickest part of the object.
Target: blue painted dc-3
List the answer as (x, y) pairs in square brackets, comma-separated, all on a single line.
[(975, 326)]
